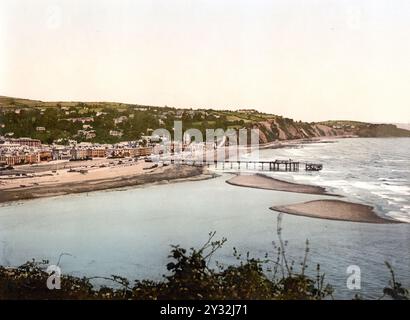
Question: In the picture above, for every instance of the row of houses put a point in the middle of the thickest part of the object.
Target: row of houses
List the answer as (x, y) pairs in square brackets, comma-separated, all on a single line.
[(30, 151), (81, 153), (25, 142), (19, 158), (14, 154)]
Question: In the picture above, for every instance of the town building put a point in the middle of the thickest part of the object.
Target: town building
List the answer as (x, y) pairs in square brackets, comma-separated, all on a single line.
[(120, 119), (27, 142), (17, 158), (116, 133), (86, 153), (82, 120)]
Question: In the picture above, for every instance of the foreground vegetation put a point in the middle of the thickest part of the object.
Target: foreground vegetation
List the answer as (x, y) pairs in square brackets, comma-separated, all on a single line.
[(190, 277)]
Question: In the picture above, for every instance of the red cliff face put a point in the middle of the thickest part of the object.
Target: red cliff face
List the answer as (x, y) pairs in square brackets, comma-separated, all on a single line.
[(280, 128), (287, 129)]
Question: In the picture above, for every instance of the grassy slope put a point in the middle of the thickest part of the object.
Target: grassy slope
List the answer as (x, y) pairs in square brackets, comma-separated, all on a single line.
[(272, 127)]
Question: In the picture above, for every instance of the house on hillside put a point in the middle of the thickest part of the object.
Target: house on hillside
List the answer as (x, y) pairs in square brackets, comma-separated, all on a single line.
[(120, 119), (116, 133)]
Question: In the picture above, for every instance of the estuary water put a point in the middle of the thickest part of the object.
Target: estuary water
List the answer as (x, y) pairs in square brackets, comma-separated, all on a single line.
[(128, 232)]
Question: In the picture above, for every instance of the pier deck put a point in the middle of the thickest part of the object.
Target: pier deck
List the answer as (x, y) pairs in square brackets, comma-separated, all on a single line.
[(268, 165)]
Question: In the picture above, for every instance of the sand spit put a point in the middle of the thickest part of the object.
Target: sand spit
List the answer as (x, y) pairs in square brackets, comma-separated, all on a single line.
[(334, 210), (264, 182)]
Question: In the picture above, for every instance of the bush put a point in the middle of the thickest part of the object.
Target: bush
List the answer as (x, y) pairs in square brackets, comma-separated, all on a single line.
[(190, 278)]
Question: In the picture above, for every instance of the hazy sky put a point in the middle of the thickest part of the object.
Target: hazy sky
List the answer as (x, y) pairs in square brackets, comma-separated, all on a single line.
[(309, 60)]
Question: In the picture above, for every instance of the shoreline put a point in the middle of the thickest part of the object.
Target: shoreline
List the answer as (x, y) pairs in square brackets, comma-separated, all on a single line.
[(52, 178), (261, 181), (335, 210), (161, 175), (104, 174), (330, 209), (277, 144)]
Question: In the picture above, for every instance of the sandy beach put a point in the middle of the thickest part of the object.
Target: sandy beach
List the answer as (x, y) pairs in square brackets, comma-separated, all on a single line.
[(334, 210), (96, 175), (261, 181), (324, 209)]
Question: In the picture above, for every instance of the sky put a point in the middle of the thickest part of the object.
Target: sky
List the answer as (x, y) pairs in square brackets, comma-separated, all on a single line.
[(308, 60)]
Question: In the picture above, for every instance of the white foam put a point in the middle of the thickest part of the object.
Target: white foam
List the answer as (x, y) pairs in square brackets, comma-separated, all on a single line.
[(390, 196), (306, 178), (398, 215), (404, 190), (392, 179), (335, 183), (398, 199), (366, 185), (396, 160)]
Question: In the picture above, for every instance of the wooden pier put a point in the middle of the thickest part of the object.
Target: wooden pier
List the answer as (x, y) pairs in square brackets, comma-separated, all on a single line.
[(263, 165)]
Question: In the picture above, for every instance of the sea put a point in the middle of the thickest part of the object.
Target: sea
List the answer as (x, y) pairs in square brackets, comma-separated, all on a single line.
[(370, 171), (128, 231)]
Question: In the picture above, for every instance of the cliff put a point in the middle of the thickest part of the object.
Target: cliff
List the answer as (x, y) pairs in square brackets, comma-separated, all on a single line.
[(280, 128)]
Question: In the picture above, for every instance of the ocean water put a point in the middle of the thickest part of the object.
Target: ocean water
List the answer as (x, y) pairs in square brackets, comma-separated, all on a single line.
[(371, 171), (128, 232)]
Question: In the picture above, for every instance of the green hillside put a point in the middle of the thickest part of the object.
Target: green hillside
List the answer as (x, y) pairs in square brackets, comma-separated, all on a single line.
[(110, 122)]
